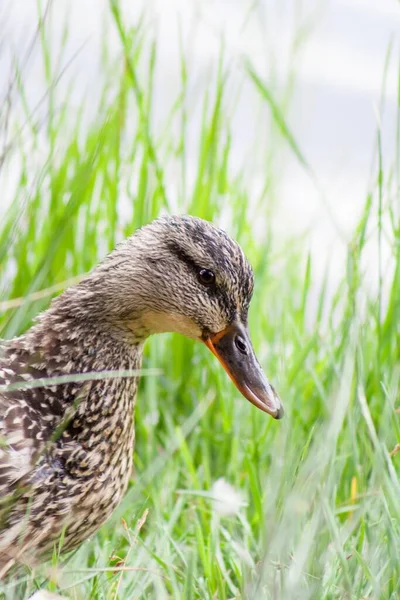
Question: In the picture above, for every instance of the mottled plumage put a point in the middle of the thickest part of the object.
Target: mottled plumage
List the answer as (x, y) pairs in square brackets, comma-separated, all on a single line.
[(66, 448)]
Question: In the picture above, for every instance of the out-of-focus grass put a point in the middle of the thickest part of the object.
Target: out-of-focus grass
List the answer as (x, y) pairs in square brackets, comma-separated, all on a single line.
[(321, 489)]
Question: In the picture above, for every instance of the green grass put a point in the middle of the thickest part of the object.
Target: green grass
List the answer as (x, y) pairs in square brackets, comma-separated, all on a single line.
[(322, 492)]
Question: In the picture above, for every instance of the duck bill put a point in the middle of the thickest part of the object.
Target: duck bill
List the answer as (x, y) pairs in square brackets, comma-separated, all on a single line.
[(234, 350)]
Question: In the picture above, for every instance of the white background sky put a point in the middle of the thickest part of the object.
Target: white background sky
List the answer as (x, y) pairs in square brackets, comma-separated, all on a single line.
[(334, 112)]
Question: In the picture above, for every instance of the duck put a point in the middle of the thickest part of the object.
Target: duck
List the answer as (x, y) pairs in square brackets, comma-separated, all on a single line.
[(68, 385)]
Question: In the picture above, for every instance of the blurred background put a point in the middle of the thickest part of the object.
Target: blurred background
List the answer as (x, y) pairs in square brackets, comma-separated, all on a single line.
[(331, 67)]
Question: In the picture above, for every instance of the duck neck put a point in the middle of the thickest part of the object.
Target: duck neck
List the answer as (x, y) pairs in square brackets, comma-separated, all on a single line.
[(64, 343)]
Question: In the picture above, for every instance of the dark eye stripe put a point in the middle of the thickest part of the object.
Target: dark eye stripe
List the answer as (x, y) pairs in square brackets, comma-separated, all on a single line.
[(181, 254), (184, 257), (216, 291)]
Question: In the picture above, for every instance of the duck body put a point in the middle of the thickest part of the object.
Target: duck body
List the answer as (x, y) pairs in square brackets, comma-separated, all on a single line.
[(67, 443), (70, 445)]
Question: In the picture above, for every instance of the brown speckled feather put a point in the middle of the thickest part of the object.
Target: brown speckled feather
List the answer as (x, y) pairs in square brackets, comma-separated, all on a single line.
[(66, 448)]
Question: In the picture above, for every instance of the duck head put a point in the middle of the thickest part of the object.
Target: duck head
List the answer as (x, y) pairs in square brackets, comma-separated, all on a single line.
[(182, 274)]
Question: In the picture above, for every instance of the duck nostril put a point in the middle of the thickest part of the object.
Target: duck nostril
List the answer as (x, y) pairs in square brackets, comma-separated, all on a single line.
[(241, 344)]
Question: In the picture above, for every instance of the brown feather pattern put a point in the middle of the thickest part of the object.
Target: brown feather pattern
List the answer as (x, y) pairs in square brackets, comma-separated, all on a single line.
[(66, 449)]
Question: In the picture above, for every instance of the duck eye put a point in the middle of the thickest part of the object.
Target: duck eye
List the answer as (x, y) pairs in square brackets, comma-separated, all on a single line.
[(206, 277)]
